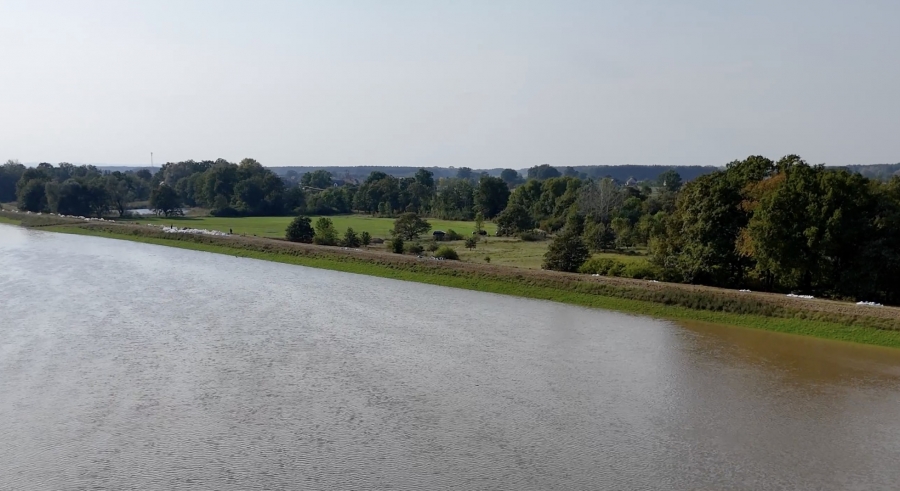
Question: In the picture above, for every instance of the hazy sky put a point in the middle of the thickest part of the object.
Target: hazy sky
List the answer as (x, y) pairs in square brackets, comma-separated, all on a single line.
[(479, 84)]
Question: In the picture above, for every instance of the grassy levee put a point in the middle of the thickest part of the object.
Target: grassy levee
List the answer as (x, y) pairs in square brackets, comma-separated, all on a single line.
[(829, 320)]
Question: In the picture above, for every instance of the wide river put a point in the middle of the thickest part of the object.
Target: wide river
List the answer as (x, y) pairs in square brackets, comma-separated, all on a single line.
[(133, 366)]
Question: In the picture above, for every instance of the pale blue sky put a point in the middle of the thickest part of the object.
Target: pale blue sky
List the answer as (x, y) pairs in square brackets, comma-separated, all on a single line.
[(479, 84)]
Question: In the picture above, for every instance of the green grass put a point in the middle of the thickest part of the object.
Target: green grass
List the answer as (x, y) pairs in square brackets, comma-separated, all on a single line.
[(507, 251), (486, 283), (274, 226), (11, 221), (504, 251)]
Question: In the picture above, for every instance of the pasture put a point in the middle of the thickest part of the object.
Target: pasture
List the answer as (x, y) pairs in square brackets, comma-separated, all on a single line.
[(275, 226), (504, 251)]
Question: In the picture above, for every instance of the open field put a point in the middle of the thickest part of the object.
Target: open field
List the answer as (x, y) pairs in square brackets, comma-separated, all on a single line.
[(502, 250), (819, 318), (507, 251), (274, 226)]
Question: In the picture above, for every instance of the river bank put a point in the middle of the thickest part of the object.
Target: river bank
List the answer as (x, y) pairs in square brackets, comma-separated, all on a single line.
[(818, 318)]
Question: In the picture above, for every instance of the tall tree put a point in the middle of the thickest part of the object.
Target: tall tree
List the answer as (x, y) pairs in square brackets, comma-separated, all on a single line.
[(164, 199), (492, 196), (511, 177), (670, 180), (409, 226)]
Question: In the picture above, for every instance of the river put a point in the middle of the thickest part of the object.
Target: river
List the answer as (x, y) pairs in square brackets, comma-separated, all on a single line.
[(134, 366)]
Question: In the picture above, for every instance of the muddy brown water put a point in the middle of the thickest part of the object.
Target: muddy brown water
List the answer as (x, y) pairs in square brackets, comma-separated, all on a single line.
[(133, 366)]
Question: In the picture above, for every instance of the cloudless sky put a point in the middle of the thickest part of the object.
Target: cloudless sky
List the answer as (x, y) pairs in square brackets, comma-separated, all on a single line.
[(466, 83)]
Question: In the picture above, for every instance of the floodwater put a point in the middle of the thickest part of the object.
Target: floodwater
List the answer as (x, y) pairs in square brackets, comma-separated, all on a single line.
[(133, 366)]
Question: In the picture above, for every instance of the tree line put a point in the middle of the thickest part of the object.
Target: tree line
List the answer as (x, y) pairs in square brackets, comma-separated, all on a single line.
[(756, 223), (784, 226), (72, 190)]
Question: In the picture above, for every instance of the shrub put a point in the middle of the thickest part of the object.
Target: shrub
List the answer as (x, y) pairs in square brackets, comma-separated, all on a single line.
[(446, 252), (299, 230), (432, 246), (326, 234), (567, 252), (377, 240), (598, 265), (605, 266), (513, 220), (553, 224), (351, 239), (642, 270), (365, 239), (533, 235), (471, 242), (415, 248), (225, 212), (487, 259), (396, 245), (453, 235)]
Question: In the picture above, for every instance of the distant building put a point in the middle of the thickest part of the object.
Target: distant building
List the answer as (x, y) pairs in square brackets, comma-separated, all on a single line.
[(438, 235), (631, 182)]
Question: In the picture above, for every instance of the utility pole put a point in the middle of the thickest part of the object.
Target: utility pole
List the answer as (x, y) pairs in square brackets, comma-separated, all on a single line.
[(151, 160)]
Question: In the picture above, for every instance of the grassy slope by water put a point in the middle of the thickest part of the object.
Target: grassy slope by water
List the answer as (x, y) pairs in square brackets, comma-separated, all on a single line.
[(501, 285)]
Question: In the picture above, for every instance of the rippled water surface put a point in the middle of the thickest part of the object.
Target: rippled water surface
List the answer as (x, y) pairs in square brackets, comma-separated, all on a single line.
[(132, 366)]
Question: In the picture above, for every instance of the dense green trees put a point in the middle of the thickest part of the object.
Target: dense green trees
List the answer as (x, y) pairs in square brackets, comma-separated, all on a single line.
[(544, 171), (511, 177), (758, 224), (491, 196), (73, 190), (10, 173), (785, 226), (320, 179), (514, 219)]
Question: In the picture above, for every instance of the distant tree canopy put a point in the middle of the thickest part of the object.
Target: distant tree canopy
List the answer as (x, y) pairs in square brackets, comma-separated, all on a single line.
[(544, 171), (10, 173), (317, 179), (670, 180), (511, 177), (72, 190)]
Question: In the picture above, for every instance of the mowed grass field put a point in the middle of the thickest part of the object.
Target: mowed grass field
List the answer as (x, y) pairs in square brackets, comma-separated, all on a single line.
[(502, 250), (274, 226), (506, 251)]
